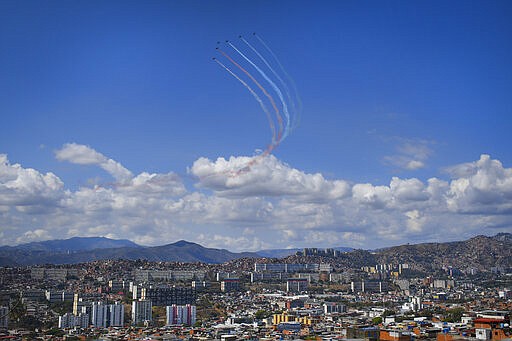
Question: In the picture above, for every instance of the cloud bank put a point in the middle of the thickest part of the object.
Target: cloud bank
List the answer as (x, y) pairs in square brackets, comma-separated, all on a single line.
[(270, 205)]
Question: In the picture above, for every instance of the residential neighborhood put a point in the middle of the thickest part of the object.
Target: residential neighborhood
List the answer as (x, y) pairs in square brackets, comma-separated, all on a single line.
[(252, 299)]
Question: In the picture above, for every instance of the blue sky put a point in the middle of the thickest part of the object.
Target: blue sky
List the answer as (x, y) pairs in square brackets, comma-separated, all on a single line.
[(95, 92)]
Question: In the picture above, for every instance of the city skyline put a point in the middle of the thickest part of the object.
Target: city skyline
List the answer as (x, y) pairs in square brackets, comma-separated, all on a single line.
[(117, 123)]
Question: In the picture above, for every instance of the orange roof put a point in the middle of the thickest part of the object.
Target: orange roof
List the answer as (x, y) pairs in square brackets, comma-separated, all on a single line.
[(488, 320)]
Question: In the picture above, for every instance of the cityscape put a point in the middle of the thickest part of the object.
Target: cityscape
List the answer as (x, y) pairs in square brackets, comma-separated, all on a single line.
[(312, 294), (242, 170)]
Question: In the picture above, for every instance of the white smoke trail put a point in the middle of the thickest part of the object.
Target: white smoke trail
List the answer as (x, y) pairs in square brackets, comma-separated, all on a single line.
[(296, 93), (283, 83), (273, 85)]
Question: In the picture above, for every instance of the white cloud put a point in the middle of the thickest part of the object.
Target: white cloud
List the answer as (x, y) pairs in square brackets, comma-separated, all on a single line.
[(266, 177), (34, 235), (485, 187), (374, 196), (85, 155), (414, 164), (415, 221), (27, 187), (270, 205), (410, 154), (407, 190), (232, 243)]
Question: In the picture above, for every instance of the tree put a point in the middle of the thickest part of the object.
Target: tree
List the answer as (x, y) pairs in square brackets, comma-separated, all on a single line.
[(55, 332), (18, 310), (388, 312), (377, 320), (262, 314), (454, 315), (61, 307)]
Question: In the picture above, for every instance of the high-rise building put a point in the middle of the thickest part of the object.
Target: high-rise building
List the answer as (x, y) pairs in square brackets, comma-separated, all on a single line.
[(34, 295), (115, 315), (230, 284), (70, 321), (99, 314), (82, 302), (136, 291), (53, 274), (369, 286), (116, 286), (268, 276), (4, 318), (66, 321), (181, 314), (145, 276), (82, 320), (334, 307), (107, 315), (141, 311), (284, 267), (169, 295), (296, 284), (200, 285), (58, 296)]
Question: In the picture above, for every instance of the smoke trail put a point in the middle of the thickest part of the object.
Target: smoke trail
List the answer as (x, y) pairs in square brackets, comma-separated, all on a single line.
[(271, 99), (273, 85), (297, 97), (290, 109), (283, 83), (255, 95)]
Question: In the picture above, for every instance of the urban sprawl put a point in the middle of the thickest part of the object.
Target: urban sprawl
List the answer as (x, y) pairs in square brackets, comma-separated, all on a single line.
[(311, 298)]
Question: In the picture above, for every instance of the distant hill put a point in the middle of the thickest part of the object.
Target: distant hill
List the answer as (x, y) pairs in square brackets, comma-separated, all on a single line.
[(480, 252), (86, 250)]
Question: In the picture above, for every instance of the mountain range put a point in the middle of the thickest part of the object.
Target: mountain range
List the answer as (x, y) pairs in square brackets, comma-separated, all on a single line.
[(480, 252), (86, 249), (83, 249)]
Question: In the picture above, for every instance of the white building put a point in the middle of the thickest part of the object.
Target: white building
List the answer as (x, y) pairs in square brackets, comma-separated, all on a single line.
[(296, 284), (230, 284), (483, 333), (325, 267), (414, 304), (58, 296), (4, 317), (102, 315), (368, 286), (181, 314), (333, 307), (141, 311)]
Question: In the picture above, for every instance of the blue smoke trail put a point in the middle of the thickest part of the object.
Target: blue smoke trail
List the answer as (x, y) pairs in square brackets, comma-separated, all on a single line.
[(283, 83), (276, 89), (299, 102)]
